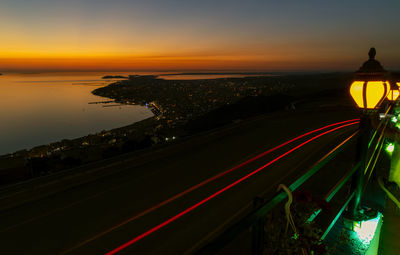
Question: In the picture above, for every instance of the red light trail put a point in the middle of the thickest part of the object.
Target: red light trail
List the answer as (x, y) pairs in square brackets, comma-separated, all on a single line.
[(151, 209), (138, 238)]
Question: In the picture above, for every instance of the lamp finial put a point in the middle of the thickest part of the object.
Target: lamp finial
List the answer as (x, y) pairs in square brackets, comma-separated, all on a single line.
[(372, 53)]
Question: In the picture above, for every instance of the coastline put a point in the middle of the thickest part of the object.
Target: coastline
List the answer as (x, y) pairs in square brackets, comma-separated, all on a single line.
[(181, 107)]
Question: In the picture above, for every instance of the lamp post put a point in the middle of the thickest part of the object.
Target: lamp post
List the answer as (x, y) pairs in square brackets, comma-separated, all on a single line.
[(368, 90)]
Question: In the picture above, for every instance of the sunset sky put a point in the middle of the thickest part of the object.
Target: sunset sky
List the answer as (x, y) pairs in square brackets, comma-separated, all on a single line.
[(256, 35)]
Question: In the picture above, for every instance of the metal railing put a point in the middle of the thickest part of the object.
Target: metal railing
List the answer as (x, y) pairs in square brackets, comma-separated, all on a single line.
[(256, 219)]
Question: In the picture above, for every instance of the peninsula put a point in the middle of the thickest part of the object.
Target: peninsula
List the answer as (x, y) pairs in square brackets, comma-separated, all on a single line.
[(181, 108), (114, 77)]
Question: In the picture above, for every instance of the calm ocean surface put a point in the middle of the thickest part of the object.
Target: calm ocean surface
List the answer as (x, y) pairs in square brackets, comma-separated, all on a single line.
[(40, 108), (37, 109)]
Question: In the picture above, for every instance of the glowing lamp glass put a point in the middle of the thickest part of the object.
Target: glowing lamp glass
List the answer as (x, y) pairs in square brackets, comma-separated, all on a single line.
[(368, 94), (393, 95)]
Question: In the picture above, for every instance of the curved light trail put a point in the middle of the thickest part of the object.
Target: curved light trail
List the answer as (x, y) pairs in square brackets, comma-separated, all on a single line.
[(197, 186), (172, 219)]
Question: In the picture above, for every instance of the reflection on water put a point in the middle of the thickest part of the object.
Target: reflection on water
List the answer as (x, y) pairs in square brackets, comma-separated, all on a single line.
[(38, 109)]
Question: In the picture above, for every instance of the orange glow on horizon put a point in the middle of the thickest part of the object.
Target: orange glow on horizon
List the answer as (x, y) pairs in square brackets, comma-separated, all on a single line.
[(160, 62), (155, 35), (167, 57)]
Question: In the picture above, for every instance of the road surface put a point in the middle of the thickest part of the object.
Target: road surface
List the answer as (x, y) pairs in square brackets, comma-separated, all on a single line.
[(98, 216)]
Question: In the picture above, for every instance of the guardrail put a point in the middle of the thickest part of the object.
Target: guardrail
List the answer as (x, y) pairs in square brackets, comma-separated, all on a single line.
[(256, 219)]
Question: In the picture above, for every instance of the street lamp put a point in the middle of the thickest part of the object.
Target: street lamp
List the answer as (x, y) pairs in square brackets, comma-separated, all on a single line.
[(368, 90), (370, 86)]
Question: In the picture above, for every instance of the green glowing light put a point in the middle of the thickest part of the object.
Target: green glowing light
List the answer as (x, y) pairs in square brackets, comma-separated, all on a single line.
[(394, 119), (365, 230), (390, 147)]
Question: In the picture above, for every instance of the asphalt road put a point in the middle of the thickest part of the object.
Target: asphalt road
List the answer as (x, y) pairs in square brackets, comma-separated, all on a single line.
[(71, 221)]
